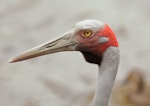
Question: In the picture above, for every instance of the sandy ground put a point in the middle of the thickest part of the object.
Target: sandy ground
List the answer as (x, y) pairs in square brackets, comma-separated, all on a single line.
[(51, 80)]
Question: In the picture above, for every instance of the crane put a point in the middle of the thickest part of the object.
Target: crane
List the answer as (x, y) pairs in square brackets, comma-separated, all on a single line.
[(98, 44)]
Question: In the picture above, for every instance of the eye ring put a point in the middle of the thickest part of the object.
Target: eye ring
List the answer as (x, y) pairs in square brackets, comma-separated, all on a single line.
[(87, 33)]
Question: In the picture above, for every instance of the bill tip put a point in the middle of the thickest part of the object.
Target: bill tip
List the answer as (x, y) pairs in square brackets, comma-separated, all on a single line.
[(11, 61)]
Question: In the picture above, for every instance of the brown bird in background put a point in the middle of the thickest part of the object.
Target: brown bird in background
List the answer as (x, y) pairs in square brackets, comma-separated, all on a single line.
[(133, 92)]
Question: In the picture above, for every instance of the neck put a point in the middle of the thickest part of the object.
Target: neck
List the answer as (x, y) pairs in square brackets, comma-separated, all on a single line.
[(106, 78)]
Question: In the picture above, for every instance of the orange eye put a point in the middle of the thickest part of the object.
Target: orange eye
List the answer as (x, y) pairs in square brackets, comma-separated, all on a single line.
[(87, 33)]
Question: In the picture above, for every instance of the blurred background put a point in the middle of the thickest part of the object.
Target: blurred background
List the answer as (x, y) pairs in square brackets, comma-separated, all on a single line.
[(65, 79)]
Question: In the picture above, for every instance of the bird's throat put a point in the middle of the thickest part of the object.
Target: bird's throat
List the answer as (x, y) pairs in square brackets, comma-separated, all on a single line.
[(92, 58)]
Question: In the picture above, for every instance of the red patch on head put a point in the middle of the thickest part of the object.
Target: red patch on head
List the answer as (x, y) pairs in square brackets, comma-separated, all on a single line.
[(107, 32)]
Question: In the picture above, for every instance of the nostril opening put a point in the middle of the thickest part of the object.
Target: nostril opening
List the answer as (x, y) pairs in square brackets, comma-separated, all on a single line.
[(49, 45)]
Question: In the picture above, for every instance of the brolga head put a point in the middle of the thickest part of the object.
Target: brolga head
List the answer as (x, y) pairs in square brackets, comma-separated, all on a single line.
[(91, 37)]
